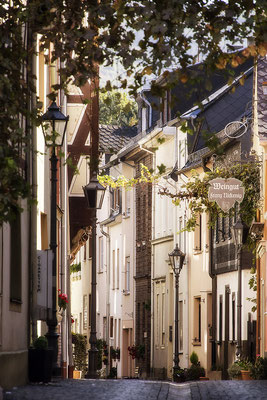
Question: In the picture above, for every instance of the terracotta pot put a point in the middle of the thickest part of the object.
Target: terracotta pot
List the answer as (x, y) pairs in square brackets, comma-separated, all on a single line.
[(245, 375), (77, 374)]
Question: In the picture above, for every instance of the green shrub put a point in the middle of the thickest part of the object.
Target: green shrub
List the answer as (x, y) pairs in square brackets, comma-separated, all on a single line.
[(79, 352), (112, 373), (40, 343), (194, 372), (194, 358), (259, 369), (234, 371)]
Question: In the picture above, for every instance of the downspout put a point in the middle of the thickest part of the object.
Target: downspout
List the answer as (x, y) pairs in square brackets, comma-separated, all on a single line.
[(33, 211), (1, 281), (214, 301), (65, 276), (107, 235)]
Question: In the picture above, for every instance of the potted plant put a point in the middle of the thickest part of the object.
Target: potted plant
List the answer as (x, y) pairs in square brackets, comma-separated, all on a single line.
[(40, 361), (195, 372), (245, 370), (234, 371), (62, 300)]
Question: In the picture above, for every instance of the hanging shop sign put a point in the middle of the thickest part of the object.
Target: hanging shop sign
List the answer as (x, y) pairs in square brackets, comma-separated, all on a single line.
[(225, 192)]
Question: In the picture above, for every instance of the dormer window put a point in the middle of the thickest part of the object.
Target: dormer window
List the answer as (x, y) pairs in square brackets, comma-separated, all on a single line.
[(165, 109), (144, 118)]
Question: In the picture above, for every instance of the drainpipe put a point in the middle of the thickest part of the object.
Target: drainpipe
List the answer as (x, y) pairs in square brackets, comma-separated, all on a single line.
[(107, 235), (1, 281), (214, 300), (239, 304), (65, 275), (33, 211)]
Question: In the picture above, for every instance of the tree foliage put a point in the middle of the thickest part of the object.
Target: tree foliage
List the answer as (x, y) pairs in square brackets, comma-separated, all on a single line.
[(116, 108), (146, 36)]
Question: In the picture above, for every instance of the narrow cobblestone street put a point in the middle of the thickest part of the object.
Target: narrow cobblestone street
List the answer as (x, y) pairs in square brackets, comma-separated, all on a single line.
[(139, 390)]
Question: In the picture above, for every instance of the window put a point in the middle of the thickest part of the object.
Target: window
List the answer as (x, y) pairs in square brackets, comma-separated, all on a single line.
[(15, 259), (163, 317), (118, 268), (116, 201), (165, 108), (44, 236), (119, 332), (197, 320), (127, 203), (180, 326), (105, 328), (101, 254), (115, 333), (90, 309), (85, 312), (113, 269), (111, 327), (233, 316), (220, 318), (84, 251), (157, 315), (217, 230), (223, 228), (127, 275), (197, 234), (180, 234), (144, 118)]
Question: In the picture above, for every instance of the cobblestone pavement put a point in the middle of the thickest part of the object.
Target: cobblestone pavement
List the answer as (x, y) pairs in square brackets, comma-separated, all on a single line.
[(140, 390)]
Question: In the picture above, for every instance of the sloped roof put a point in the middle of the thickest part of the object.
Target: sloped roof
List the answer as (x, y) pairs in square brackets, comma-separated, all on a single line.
[(262, 99), (227, 107), (112, 138)]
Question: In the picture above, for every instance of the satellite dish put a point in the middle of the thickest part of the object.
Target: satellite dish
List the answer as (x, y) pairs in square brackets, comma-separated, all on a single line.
[(234, 126)]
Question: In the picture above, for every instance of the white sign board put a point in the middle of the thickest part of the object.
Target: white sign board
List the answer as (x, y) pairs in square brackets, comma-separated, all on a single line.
[(225, 192), (44, 278)]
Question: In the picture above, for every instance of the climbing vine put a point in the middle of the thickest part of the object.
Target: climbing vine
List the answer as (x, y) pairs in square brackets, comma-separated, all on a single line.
[(195, 191)]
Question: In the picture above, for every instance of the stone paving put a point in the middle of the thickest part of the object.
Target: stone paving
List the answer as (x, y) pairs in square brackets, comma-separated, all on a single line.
[(134, 389)]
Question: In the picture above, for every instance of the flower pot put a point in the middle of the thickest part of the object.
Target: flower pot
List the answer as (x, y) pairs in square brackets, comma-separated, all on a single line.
[(40, 365), (77, 374), (245, 375)]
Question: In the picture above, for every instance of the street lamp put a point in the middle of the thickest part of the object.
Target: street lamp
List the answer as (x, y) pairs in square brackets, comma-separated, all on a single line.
[(238, 230), (54, 125), (94, 193), (177, 258)]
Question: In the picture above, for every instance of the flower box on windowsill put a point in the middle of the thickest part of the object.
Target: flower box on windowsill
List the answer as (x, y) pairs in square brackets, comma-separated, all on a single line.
[(196, 343)]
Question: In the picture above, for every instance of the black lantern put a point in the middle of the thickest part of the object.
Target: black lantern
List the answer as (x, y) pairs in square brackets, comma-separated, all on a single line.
[(177, 259), (94, 193), (238, 230), (54, 125)]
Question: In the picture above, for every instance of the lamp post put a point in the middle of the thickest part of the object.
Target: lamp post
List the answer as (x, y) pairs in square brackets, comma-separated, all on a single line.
[(237, 230), (177, 258), (54, 125), (94, 193)]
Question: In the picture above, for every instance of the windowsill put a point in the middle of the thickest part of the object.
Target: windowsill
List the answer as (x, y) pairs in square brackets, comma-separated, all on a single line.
[(196, 252), (196, 343), (233, 341)]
